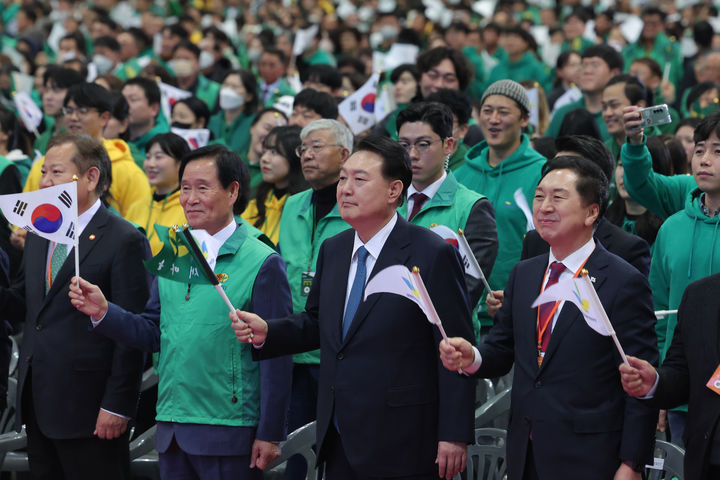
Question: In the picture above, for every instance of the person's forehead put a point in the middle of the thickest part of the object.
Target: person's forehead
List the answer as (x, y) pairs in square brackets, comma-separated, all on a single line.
[(560, 178), (203, 168), (418, 129), (60, 155), (365, 161), (499, 101), (321, 134), (616, 90), (445, 66)]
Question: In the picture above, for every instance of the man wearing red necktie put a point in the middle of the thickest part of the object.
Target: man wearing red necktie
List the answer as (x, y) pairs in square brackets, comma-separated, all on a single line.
[(569, 415)]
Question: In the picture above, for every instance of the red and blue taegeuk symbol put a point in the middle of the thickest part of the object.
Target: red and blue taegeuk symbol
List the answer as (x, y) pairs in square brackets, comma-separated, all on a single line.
[(368, 103), (47, 218)]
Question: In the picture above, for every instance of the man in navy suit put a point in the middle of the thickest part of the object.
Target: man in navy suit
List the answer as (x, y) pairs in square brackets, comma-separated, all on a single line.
[(386, 406), (569, 415)]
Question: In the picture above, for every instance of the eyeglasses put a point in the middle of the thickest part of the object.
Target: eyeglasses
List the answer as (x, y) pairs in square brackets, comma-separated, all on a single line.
[(421, 146), (79, 110), (302, 149)]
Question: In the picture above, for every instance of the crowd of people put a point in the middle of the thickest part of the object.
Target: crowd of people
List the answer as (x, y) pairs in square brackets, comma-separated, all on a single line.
[(517, 124)]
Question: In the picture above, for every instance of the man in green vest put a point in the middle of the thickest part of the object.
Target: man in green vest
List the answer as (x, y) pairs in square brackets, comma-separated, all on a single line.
[(185, 64), (217, 410), (135, 52), (143, 97), (272, 68), (435, 197), (307, 220)]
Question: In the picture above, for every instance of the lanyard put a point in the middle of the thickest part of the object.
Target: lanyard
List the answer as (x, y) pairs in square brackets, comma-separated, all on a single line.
[(542, 328)]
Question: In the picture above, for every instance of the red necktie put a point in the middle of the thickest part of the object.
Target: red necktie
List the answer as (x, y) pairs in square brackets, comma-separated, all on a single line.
[(546, 310), (419, 200)]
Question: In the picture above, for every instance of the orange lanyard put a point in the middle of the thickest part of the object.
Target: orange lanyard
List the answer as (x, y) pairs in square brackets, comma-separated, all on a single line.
[(541, 328)]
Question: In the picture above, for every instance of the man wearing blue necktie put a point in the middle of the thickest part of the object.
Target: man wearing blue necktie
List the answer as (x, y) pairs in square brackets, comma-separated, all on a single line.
[(386, 407)]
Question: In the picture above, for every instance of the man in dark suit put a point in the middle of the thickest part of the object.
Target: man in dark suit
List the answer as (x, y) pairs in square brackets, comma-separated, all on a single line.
[(569, 416), (386, 406), (690, 363), (77, 389)]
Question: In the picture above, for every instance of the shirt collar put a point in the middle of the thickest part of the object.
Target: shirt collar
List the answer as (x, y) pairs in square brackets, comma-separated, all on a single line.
[(226, 232), (272, 86), (431, 189), (575, 260), (705, 209), (87, 215), (376, 243)]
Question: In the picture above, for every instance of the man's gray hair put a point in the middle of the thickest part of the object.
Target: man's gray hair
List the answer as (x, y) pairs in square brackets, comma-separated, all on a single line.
[(342, 135)]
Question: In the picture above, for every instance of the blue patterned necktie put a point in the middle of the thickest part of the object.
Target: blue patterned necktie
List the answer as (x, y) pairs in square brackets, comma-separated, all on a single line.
[(356, 292)]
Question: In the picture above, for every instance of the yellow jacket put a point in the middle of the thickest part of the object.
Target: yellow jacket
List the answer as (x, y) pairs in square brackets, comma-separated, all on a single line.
[(129, 184), (166, 212), (273, 212)]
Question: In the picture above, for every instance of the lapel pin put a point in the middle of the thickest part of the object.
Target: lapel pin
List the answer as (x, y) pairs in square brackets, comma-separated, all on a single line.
[(592, 279), (92, 236)]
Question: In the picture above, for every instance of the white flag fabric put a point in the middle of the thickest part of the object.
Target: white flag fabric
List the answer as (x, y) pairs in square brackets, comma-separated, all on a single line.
[(399, 280), (385, 102), (303, 39), (399, 54), (451, 237), (29, 112), (358, 109), (169, 95), (534, 109), (209, 246), (48, 212), (579, 290), (195, 137), (524, 207)]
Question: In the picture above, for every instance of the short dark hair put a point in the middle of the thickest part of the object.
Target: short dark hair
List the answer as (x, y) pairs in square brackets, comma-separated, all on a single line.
[(592, 184), (29, 13), (79, 40), (62, 77), (706, 127), (351, 62), (230, 168), (265, 110), (189, 46), (433, 57), (458, 102), (89, 153), (149, 87), (579, 122), (107, 21), (395, 160), (652, 10), (89, 95), (435, 114), (323, 74), (591, 148), (411, 68), (654, 66), (250, 83), (108, 42), (119, 110), (319, 102), (172, 145), (277, 52), (197, 106), (692, 122), (703, 34), (608, 54), (634, 89), (177, 30), (142, 40)]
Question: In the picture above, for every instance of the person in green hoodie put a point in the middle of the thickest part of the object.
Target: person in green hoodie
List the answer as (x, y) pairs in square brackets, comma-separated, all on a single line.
[(521, 64), (498, 167), (425, 130), (143, 97), (185, 64), (685, 249)]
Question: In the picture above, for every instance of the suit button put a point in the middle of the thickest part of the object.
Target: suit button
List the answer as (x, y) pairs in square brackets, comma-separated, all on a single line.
[(538, 384), (38, 327), (340, 356)]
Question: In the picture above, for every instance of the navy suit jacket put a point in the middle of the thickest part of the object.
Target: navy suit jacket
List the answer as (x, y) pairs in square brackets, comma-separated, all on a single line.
[(582, 422), (75, 371), (384, 382), (627, 246)]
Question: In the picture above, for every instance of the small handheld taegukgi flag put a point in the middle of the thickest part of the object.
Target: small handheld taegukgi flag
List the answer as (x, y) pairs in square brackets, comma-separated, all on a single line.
[(358, 110), (580, 291)]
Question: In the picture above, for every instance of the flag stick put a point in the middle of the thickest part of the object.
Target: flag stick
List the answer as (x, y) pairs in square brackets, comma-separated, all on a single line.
[(605, 319), (208, 271), (76, 235), (434, 317), (466, 246)]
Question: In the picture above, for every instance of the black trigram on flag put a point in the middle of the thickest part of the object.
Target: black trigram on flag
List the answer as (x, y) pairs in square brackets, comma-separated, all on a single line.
[(65, 198), (20, 207), (71, 231)]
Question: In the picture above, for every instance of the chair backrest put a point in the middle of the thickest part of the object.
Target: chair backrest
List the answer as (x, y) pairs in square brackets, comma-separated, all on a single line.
[(299, 442), (486, 459), (669, 460), (493, 409)]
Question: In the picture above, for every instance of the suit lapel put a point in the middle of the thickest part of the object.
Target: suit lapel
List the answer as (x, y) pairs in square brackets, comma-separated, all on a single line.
[(527, 327), (596, 265), (393, 253), (340, 277)]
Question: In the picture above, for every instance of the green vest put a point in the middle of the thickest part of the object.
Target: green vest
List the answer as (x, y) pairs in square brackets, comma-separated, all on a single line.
[(299, 248), (207, 91), (205, 375), (236, 135)]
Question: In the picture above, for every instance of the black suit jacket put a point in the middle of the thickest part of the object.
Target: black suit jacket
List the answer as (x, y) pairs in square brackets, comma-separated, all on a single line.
[(691, 360), (75, 371), (627, 246), (581, 421), (392, 398)]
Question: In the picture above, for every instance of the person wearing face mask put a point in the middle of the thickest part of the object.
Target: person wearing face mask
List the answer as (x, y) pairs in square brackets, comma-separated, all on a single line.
[(143, 96), (162, 164), (238, 105), (190, 113), (106, 55), (185, 64), (217, 47), (282, 176)]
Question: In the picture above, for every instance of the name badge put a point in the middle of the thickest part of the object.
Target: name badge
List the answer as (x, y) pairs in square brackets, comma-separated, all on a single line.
[(714, 382), (306, 282)]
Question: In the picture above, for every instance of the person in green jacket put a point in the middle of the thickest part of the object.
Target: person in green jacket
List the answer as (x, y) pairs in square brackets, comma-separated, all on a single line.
[(56, 82), (521, 64), (574, 28), (309, 218), (143, 97), (238, 106), (185, 64), (272, 68), (498, 167), (655, 44), (598, 65), (425, 130)]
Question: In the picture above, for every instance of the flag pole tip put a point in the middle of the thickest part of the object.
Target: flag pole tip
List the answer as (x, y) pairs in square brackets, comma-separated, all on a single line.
[(584, 272), (433, 225), (460, 231), (416, 270)]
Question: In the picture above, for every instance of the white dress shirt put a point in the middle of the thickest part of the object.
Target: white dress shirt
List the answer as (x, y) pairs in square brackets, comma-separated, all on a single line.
[(573, 262), (428, 191)]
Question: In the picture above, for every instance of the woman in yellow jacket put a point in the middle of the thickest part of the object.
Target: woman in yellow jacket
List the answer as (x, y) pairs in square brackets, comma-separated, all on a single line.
[(162, 164), (282, 177)]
